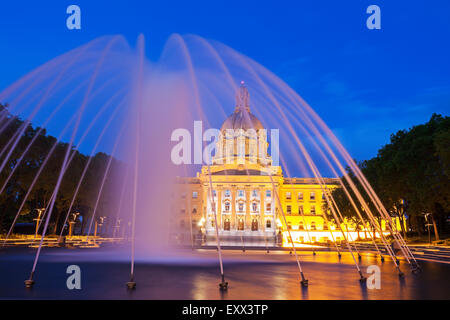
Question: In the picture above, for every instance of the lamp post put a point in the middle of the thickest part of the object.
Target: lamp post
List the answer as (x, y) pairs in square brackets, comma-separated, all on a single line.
[(116, 227), (73, 220), (38, 220), (428, 225), (98, 223)]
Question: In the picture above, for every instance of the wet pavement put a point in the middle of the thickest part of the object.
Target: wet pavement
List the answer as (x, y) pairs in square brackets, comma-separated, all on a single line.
[(195, 275)]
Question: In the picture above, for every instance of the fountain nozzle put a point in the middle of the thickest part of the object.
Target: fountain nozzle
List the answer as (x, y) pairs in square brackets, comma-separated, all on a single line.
[(223, 285), (131, 284), (29, 283)]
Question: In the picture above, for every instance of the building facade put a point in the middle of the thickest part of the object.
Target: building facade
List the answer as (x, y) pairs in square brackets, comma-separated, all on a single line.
[(248, 198)]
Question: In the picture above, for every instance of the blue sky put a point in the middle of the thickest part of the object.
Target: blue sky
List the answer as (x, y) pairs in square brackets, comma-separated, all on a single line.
[(365, 84)]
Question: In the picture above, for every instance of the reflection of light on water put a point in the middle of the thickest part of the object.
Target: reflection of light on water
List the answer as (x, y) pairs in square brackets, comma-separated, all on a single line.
[(303, 237), (201, 284)]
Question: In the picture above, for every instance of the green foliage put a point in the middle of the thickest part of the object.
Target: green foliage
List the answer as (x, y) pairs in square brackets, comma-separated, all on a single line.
[(410, 174), (25, 170)]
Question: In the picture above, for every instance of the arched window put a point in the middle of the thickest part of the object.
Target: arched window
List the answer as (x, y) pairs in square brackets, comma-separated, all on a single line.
[(240, 224), (254, 225), (254, 206), (226, 225), (268, 223), (194, 211), (241, 206), (227, 206)]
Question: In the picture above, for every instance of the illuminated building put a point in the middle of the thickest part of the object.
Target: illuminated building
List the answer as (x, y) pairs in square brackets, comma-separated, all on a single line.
[(254, 202)]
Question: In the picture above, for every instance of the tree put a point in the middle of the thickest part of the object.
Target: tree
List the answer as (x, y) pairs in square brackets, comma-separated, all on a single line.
[(410, 175)]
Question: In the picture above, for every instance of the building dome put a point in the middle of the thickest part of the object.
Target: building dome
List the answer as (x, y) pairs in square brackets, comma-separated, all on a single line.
[(242, 118)]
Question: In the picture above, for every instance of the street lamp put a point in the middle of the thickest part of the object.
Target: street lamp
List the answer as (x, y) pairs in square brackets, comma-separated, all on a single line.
[(428, 225), (38, 220), (72, 221), (98, 223), (116, 227)]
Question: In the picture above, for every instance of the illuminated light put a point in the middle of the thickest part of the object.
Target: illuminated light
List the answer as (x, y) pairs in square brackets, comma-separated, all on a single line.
[(279, 223)]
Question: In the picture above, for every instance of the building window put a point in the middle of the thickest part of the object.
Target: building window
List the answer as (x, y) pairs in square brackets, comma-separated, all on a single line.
[(212, 223), (195, 195), (313, 209), (226, 225), (300, 226), (288, 196), (254, 225), (313, 225), (240, 193), (255, 193), (268, 193), (325, 227), (241, 206), (227, 206), (288, 209), (323, 196), (289, 225), (300, 209), (268, 207), (268, 224), (240, 224), (194, 211), (300, 196), (254, 207), (312, 196), (227, 193)]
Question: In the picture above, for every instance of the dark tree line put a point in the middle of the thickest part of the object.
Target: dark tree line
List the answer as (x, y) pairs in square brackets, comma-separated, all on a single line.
[(411, 176), (25, 170)]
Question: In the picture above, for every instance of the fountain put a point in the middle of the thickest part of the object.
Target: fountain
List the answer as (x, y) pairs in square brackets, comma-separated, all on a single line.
[(106, 97)]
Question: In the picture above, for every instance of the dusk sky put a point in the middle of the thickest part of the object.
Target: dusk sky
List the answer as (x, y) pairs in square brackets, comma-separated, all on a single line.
[(365, 84)]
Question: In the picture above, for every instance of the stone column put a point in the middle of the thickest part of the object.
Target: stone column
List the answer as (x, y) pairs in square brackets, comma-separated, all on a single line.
[(205, 201), (233, 208), (262, 209), (248, 221), (219, 208)]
